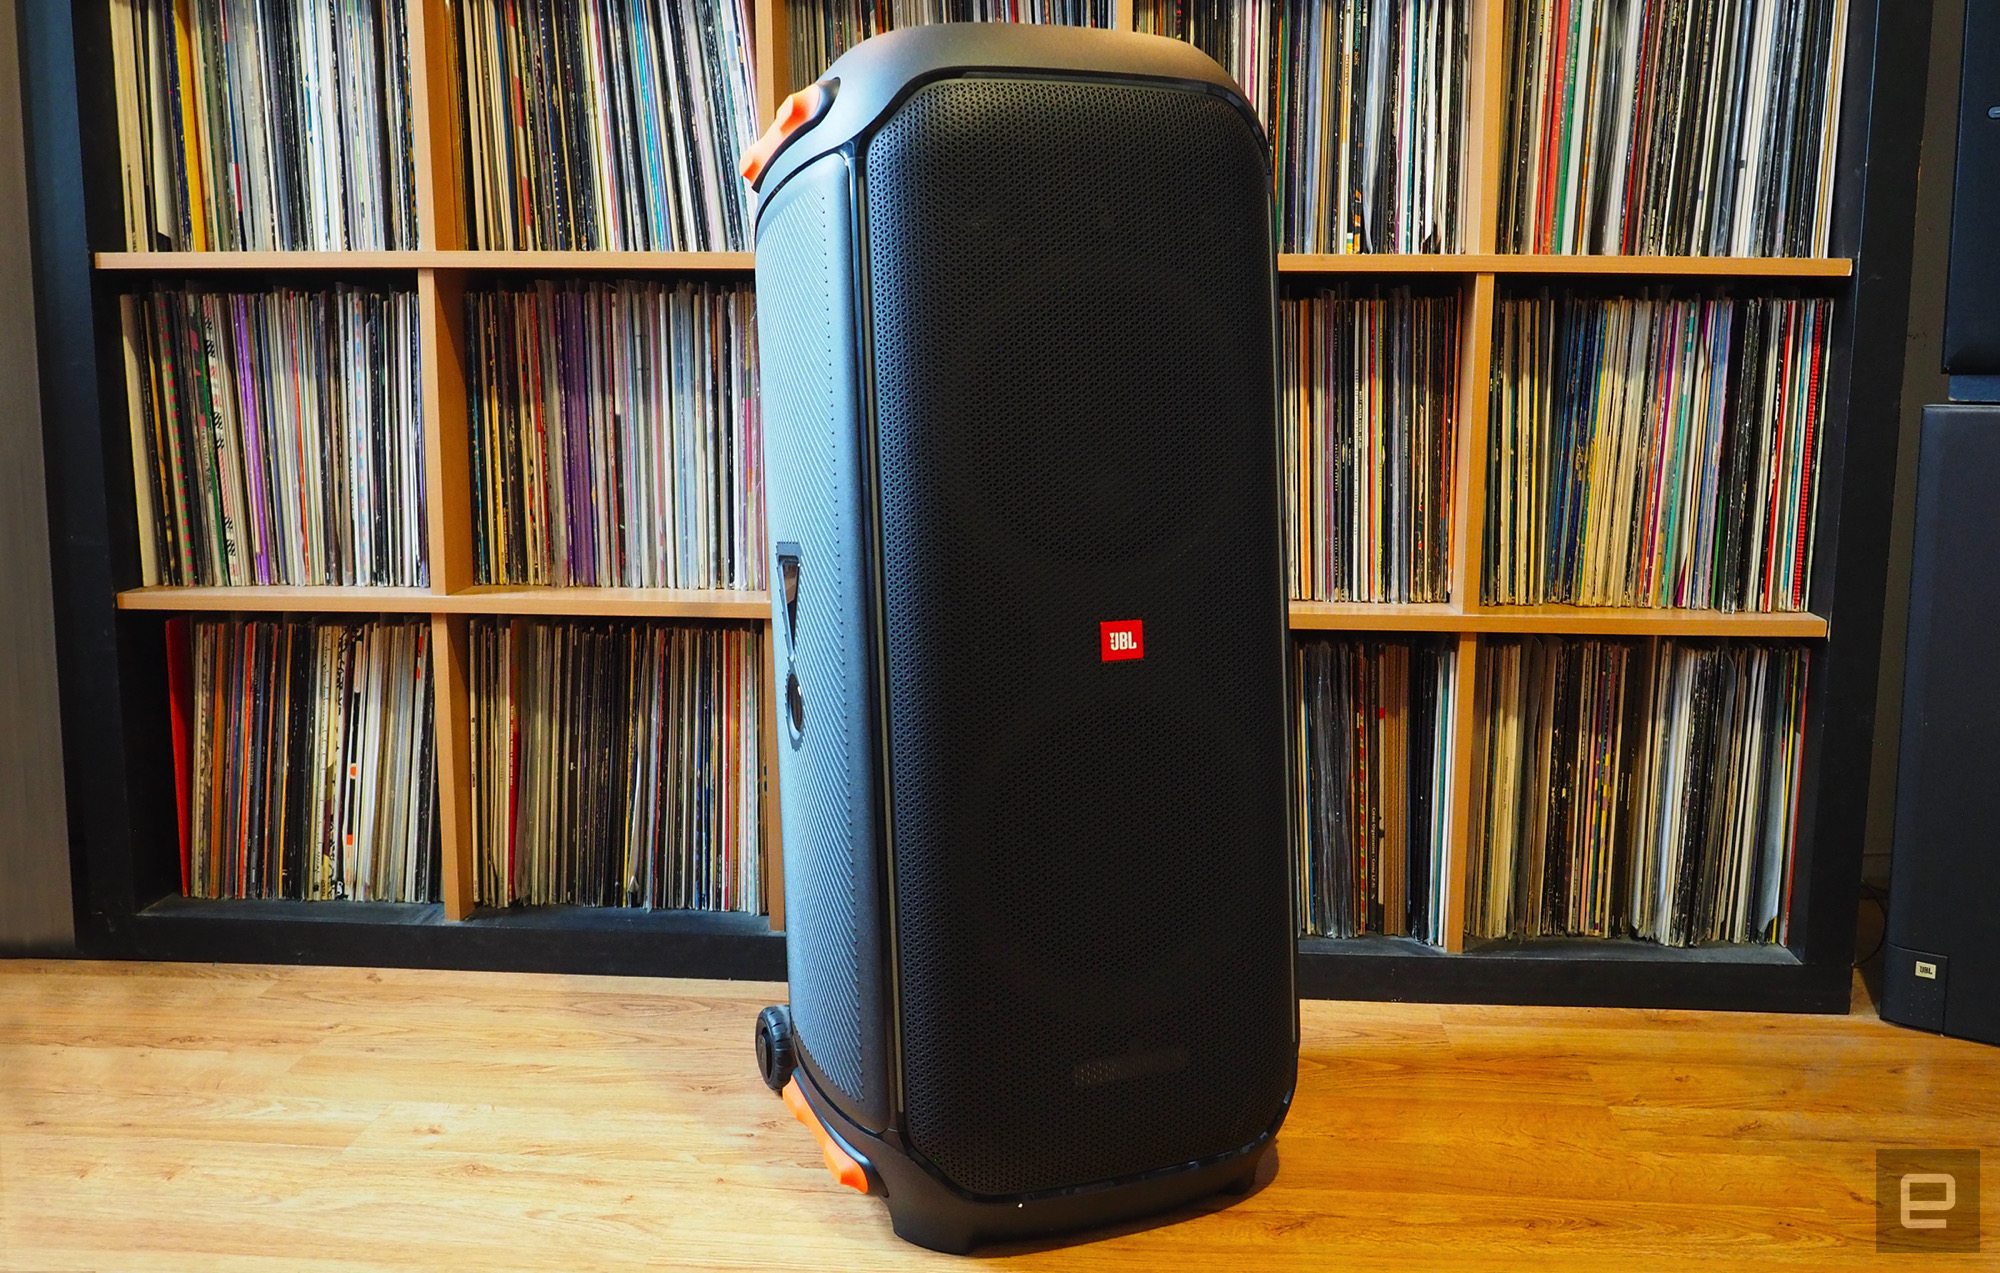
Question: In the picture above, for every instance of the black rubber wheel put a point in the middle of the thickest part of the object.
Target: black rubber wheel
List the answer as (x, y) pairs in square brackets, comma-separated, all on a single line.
[(775, 1055)]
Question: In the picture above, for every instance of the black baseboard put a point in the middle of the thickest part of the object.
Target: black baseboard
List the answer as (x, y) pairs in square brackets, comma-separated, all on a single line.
[(1580, 973), (565, 939)]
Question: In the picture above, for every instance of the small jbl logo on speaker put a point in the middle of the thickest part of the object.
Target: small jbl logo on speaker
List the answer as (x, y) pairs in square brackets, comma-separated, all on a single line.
[(1121, 639), (1927, 1200)]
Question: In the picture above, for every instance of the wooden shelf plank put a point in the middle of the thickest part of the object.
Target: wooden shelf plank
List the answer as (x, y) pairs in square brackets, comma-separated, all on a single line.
[(727, 262), (1606, 621), (743, 262), (167, 262), (1377, 263), (1510, 263), (638, 603), (1355, 616), (685, 603), (1367, 616), (700, 603), (281, 598)]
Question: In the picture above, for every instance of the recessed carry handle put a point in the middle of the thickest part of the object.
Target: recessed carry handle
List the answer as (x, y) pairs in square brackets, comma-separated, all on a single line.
[(790, 570), (789, 567)]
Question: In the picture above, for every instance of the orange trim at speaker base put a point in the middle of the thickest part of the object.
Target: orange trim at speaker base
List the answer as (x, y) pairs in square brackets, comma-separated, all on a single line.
[(838, 1161)]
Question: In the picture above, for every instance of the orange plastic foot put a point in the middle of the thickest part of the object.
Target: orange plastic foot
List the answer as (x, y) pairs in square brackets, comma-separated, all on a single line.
[(838, 1161)]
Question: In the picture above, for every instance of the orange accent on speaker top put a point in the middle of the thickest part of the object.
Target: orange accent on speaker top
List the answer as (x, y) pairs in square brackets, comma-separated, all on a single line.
[(838, 1161), (794, 113)]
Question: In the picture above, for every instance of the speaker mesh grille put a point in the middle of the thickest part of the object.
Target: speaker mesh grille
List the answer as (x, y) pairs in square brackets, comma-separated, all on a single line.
[(1072, 315)]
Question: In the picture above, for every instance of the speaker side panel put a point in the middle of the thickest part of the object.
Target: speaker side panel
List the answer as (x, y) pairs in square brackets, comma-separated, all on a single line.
[(1945, 870), (826, 773), (1972, 290), (1072, 301)]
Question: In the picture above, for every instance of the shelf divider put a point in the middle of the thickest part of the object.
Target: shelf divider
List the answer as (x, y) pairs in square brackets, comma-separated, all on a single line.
[(772, 847), (447, 443), (451, 703), (433, 56), (1486, 123), (1468, 765), (772, 39)]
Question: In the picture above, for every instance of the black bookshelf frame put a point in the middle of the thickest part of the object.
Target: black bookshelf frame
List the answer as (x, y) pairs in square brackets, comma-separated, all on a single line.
[(112, 674)]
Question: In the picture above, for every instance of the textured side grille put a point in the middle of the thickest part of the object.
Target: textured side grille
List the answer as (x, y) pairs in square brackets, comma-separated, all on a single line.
[(813, 494), (1072, 314)]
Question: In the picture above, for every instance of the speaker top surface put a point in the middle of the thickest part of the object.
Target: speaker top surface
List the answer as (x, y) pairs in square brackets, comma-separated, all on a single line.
[(876, 75)]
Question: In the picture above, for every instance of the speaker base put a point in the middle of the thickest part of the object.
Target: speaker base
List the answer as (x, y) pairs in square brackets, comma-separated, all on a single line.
[(930, 1213)]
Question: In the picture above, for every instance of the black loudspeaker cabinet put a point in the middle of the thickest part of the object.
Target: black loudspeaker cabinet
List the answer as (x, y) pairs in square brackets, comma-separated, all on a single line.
[(1016, 292), (1972, 294), (1942, 971)]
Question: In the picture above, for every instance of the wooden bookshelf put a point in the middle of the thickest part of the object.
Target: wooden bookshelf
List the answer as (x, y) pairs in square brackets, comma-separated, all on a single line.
[(114, 679)]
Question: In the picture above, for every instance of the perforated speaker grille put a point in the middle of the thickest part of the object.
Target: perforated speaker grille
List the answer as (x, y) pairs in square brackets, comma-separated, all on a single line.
[(1072, 316)]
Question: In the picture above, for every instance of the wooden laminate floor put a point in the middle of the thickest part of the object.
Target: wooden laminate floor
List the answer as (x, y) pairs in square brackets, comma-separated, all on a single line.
[(187, 1117)]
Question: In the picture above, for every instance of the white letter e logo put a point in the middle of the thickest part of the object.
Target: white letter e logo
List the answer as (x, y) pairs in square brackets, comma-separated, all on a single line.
[(1945, 1203)]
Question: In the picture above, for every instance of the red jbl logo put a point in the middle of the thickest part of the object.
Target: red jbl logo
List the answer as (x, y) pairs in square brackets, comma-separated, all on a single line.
[(1121, 639)]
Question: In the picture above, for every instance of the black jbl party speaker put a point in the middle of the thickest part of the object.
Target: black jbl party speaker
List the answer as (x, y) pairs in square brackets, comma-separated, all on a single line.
[(1016, 300)]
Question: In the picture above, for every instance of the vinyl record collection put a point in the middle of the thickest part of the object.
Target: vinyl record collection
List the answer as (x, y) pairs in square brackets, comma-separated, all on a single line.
[(617, 764), (264, 125), (1364, 101), (1371, 418), (276, 436), (1630, 789), (303, 759), (822, 30), (615, 435), (1556, 733), (1695, 128), (1373, 778), (1715, 801), (607, 124), (1655, 452)]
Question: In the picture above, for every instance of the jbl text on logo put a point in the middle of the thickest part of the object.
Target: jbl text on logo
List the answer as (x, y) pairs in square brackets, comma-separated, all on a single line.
[(1121, 639), (1927, 1200)]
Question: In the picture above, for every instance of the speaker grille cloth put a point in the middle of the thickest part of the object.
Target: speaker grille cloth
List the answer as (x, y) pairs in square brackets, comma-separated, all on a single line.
[(1072, 316), (806, 319)]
